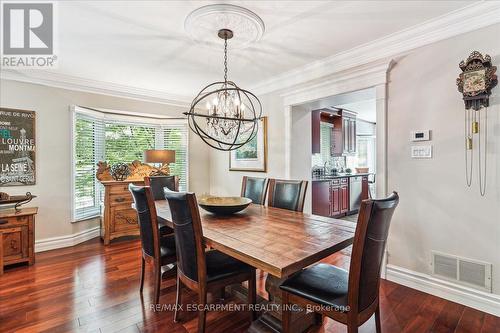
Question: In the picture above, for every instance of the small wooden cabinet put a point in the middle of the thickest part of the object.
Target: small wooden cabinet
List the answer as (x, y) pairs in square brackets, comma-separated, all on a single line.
[(119, 218), (330, 198), (18, 235)]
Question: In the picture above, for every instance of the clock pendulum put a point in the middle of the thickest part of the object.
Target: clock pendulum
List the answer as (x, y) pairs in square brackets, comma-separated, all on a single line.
[(475, 83)]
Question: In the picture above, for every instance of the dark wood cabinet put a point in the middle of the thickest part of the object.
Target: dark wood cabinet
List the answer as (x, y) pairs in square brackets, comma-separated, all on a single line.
[(316, 132), (336, 142), (344, 202), (330, 198), (342, 135), (321, 198), (349, 134), (335, 202)]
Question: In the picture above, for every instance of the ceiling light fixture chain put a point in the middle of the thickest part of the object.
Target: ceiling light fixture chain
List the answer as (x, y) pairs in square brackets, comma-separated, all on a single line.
[(225, 60)]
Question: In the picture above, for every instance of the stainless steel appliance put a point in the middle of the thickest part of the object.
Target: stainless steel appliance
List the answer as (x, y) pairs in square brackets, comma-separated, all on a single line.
[(355, 187)]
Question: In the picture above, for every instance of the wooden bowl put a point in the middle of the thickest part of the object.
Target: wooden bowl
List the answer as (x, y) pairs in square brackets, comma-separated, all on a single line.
[(224, 205), (362, 170)]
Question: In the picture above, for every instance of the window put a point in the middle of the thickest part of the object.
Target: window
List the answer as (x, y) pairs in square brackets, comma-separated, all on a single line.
[(366, 146), (99, 136)]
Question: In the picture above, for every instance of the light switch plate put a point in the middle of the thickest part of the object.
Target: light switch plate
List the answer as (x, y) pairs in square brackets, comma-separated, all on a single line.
[(421, 151)]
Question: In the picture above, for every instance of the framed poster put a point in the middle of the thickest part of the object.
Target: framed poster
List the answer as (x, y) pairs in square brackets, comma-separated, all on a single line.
[(253, 155), (17, 147)]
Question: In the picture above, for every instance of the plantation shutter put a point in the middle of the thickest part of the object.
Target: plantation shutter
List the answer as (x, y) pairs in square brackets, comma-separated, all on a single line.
[(175, 137), (87, 151), (104, 137)]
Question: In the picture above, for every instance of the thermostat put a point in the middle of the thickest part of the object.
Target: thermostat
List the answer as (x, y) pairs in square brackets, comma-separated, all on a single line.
[(420, 135)]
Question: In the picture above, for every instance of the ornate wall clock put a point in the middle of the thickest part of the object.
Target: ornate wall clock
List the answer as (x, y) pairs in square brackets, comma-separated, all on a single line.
[(475, 83)]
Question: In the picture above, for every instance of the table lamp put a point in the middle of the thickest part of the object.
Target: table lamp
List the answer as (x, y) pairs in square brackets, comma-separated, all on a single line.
[(159, 156)]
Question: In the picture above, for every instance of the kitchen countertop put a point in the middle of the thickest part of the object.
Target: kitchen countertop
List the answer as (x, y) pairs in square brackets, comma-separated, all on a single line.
[(339, 175)]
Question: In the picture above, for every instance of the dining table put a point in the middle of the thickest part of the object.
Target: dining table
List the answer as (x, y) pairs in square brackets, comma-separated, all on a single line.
[(277, 241)]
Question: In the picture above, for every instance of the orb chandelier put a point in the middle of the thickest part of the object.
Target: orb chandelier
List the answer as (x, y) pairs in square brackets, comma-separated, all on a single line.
[(224, 115)]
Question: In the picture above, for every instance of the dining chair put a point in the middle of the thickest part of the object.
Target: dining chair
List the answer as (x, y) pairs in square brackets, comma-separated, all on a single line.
[(199, 270), (254, 188), (160, 250), (347, 297), (287, 194), (157, 184)]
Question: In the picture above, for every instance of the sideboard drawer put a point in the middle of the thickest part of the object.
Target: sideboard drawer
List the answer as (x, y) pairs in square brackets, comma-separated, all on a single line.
[(124, 199), (13, 221), (15, 243), (125, 218)]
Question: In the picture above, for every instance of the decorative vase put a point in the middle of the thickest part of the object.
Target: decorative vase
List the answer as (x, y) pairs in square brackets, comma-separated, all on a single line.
[(120, 171)]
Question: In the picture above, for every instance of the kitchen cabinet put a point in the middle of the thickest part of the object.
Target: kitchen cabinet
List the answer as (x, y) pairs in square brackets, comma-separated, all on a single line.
[(322, 196), (344, 196), (316, 132), (349, 134), (342, 125), (336, 148), (330, 198)]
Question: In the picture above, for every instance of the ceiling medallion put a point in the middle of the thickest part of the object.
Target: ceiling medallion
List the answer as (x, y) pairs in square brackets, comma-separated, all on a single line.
[(247, 26), (223, 115)]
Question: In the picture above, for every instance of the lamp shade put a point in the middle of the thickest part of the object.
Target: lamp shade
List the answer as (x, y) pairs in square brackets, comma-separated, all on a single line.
[(159, 156)]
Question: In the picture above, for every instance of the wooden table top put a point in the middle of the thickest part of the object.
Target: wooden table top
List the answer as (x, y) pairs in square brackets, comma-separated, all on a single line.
[(277, 241)]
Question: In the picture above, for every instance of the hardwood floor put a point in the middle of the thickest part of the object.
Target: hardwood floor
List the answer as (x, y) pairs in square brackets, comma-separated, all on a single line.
[(92, 288)]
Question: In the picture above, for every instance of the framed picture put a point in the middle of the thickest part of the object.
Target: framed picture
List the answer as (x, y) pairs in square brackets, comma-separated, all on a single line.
[(253, 155), (17, 147)]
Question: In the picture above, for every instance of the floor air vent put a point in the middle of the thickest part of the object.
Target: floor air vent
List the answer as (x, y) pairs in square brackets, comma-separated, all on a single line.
[(472, 273)]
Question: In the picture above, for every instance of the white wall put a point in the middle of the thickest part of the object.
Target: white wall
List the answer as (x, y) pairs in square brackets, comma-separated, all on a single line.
[(437, 210), (225, 182), (53, 165)]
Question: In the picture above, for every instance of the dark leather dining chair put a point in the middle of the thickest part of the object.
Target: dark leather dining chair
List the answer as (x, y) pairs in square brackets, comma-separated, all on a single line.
[(287, 194), (161, 250), (157, 184), (199, 270), (347, 297), (254, 188)]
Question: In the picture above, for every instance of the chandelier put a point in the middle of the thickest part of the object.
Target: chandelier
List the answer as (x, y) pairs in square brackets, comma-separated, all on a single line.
[(224, 115)]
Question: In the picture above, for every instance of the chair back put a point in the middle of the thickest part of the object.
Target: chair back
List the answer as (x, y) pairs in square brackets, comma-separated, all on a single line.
[(158, 183), (368, 250), (254, 188), (147, 219), (188, 234), (287, 194)]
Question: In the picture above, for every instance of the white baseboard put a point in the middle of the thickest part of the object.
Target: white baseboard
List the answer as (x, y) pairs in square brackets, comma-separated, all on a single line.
[(66, 241), (470, 297)]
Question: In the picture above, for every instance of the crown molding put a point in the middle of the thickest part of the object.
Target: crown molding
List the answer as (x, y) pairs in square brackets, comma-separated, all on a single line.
[(63, 81), (463, 20)]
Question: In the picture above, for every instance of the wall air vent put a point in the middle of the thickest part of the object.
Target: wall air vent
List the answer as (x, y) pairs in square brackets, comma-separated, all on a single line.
[(472, 273)]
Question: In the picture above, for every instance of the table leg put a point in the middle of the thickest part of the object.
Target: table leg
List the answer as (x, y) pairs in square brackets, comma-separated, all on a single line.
[(270, 321)]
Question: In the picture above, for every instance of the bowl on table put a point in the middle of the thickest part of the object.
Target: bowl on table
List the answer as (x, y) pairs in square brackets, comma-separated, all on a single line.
[(224, 205), (362, 170)]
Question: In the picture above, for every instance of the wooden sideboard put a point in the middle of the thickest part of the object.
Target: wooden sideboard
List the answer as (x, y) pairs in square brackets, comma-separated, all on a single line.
[(119, 219), (17, 236)]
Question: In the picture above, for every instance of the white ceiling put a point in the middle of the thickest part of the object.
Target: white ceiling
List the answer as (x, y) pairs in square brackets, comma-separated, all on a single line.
[(143, 43)]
